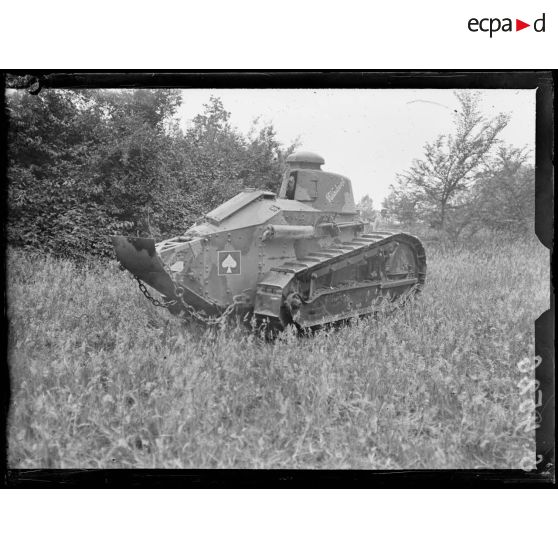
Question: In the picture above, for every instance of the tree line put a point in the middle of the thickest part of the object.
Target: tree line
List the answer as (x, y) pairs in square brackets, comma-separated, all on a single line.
[(84, 164), (466, 181)]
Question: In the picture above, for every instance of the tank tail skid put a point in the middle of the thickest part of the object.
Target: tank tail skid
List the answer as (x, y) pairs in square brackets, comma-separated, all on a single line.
[(139, 257)]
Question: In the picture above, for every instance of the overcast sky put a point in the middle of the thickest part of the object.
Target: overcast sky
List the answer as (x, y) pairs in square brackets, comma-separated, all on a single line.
[(368, 135)]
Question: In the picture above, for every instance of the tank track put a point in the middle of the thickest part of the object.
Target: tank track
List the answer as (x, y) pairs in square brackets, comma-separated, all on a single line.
[(347, 280)]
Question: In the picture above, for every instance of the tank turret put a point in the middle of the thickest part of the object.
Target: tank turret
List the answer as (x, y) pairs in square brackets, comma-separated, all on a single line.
[(305, 182)]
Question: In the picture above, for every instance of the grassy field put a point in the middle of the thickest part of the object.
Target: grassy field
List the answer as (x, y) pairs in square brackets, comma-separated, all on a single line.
[(100, 378)]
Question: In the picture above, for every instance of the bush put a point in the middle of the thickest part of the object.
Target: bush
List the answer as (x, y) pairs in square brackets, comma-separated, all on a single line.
[(84, 165)]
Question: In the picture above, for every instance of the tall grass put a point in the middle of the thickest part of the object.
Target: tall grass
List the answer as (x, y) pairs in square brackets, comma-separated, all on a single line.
[(100, 378)]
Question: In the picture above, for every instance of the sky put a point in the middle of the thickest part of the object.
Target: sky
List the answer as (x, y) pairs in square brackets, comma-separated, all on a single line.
[(368, 135)]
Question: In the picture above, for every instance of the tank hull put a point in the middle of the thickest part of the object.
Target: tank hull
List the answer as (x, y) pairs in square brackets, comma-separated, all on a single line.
[(348, 279), (302, 257)]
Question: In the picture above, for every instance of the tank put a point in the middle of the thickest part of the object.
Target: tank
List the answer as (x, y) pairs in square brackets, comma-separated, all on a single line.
[(301, 257)]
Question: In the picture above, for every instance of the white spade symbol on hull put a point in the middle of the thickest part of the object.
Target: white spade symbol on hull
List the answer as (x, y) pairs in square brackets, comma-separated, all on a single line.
[(229, 263)]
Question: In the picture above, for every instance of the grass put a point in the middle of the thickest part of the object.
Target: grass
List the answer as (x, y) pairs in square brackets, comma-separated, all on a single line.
[(100, 378)]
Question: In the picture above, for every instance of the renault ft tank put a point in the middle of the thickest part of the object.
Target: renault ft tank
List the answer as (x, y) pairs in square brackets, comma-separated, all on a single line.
[(300, 257)]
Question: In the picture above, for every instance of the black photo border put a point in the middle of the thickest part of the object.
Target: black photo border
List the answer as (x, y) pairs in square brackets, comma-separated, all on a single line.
[(543, 476)]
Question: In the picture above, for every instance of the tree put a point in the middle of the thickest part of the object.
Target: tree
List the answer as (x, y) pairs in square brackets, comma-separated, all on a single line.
[(220, 161), (437, 187), (129, 164), (366, 208), (265, 160), (402, 206), (84, 165), (505, 192)]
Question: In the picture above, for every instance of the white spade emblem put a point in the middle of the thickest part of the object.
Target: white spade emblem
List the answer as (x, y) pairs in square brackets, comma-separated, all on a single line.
[(229, 263)]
